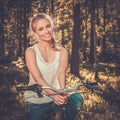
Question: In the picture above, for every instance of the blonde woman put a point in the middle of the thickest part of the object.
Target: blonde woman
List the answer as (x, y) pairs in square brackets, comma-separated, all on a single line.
[(47, 63)]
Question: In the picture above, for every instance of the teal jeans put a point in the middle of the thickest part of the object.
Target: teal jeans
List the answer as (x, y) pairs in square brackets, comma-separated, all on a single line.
[(66, 112)]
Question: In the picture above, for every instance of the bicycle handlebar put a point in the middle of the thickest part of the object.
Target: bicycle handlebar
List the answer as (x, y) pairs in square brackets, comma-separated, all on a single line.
[(38, 88)]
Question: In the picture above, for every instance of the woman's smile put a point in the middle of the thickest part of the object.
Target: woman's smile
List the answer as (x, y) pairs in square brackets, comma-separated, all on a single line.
[(44, 30)]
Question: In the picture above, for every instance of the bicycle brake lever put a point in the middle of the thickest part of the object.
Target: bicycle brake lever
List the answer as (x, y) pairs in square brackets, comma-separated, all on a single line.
[(37, 88), (90, 88), (90, 83)]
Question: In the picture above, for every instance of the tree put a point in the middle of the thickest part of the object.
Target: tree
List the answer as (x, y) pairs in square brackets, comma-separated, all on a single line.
[(86, 32), (93, 40), (51, 5), (104, 38), (75, 43), (23, 9), (1, 31)]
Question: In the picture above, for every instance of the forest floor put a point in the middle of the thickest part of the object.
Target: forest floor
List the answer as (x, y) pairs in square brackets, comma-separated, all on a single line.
[(104, 104)]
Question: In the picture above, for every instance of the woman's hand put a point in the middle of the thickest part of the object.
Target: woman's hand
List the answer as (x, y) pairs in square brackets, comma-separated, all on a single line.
[(60, 99)]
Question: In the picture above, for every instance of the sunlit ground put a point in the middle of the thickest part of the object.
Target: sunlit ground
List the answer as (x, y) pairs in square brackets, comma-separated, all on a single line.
[(103, 104)]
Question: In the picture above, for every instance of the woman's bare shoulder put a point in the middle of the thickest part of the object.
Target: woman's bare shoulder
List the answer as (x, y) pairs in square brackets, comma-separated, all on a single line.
[(29, 50), (64, 51)]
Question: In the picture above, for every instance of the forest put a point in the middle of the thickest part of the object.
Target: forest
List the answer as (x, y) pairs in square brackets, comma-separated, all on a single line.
[(88, 29)]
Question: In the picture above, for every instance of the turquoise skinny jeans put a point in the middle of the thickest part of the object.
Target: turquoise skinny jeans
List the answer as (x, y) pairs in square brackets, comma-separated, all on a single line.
[(66, 112)]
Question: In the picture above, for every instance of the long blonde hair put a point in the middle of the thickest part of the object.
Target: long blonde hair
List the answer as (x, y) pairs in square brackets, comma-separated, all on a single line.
[(32, 28), (55, 44)]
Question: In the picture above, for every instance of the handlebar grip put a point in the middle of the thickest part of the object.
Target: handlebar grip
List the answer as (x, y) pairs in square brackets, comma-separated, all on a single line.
[(90, 88), (21, 88), (35, 87), (91, 83)]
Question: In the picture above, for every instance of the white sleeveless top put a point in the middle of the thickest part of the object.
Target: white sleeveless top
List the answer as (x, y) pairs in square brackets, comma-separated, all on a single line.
[(48, 72)]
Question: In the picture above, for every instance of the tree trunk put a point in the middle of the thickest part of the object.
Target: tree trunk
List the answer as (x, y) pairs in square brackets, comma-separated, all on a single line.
[(91, 58), (75, 43), (93, 52), (27, 8), (86, 35), (1, 31), (51, 5), (104, 40)]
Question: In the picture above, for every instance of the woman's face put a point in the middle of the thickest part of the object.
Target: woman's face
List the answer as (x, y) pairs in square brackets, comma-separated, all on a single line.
[(44, 30)]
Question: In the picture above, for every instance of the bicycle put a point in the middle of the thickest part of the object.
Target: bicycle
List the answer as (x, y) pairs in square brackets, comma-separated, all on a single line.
[(67, 91)]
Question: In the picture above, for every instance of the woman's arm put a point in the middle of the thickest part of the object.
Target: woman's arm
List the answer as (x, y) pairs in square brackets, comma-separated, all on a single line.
[(30, 58), (61, 73)]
